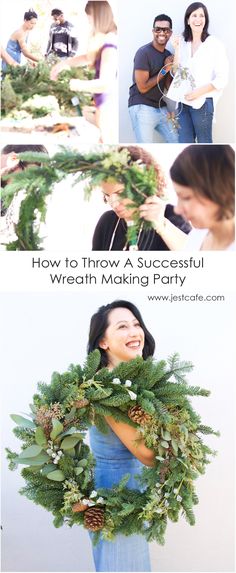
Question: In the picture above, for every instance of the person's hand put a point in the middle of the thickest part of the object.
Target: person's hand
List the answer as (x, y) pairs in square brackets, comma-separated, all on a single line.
[(153, 210), (194, 94), (8, 162), (57, 69), (175, 41), (168, 63)]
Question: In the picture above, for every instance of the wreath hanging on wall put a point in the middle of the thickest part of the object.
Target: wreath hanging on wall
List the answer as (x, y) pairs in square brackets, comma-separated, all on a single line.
[(59, 473), (110, 164)]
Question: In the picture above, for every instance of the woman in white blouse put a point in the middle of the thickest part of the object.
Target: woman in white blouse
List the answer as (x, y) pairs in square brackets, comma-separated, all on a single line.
[(204, 180), (201, 74)]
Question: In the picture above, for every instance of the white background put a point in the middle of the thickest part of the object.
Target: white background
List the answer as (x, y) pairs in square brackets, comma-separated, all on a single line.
[(135, 30), (47, 332)]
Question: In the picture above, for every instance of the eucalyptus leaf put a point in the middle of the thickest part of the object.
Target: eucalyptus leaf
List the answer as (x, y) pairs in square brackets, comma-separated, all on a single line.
[(57, 475), (37, 461), (21, 421), (40, 437), (79, 471), (174, 445), (71, 431), (31, 451), (164, 444), (83, 463), (47, 469), (57, 428), (70, 441)]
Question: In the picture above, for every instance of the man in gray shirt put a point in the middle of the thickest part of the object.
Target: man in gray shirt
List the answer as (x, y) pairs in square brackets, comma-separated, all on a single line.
[(147, 108), (62, 36)]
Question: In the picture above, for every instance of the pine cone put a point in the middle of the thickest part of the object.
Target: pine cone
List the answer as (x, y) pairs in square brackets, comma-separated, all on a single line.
[(137, 414), (78, 507), (94, 518), (81, 403)]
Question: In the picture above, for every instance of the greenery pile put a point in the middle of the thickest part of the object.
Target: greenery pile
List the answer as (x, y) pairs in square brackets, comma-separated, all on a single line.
[(23, 82)]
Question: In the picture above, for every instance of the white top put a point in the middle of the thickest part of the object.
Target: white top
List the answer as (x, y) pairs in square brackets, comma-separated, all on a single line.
[(209, 64), (196, 238)]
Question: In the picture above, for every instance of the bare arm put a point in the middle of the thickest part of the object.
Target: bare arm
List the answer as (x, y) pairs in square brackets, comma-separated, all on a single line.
[(107, 76), (73, 62), (130, 437), (21, 40), (145, 83)]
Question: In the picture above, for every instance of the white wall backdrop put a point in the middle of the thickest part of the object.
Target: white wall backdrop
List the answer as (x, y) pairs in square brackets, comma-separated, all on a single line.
[(42, 333), (135, 29)]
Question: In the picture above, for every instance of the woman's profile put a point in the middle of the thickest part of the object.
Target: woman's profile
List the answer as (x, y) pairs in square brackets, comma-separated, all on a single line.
[(204, 181)]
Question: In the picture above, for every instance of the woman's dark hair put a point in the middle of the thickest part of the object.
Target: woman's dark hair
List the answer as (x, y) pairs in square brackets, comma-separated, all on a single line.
[(30, 15), (100, 321), (21, 148), (210, 172), (187, 33)]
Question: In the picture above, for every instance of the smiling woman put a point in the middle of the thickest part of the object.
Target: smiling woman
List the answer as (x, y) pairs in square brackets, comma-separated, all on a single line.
[(119, 332), (202, 57)]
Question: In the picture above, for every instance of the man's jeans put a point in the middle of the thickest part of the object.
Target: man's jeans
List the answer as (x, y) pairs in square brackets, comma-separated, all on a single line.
[(149, 122), (196, 124)]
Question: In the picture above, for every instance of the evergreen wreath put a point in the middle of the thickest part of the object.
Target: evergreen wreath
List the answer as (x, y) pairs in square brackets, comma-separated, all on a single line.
[(111, 164), (151, 396)]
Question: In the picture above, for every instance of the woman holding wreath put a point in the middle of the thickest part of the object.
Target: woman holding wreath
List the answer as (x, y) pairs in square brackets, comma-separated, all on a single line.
[(118, 331), (168, 230)]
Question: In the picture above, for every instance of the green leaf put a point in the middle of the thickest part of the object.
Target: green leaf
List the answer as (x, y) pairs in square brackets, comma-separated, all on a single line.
[(57, 475), (47, 469), (70, 441), (174, 446), (57, 428), (164, 444), (165, 434), (83, 463), (21, 421), (31, 451), (70, 432), (37, 461), (40, 437), (79, 471)]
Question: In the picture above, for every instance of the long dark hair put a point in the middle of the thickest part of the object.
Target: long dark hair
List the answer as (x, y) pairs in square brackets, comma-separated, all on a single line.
[(99, 324), (187, 33), (210, 172)]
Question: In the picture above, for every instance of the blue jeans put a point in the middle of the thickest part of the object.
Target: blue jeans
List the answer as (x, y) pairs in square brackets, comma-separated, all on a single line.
[(113, 461), (148, 122), (196, 124)]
